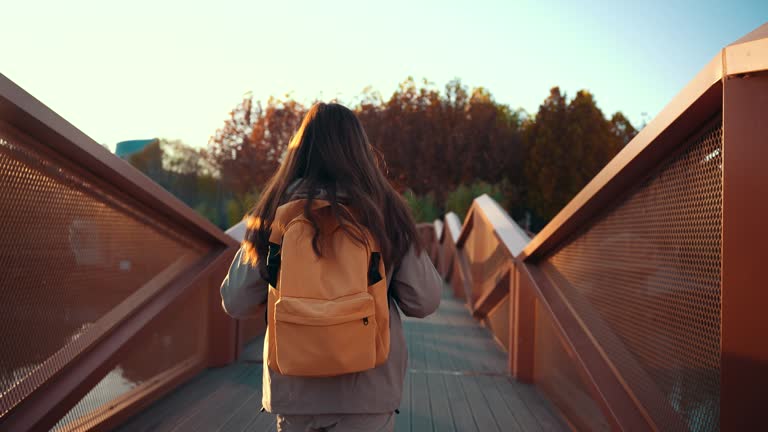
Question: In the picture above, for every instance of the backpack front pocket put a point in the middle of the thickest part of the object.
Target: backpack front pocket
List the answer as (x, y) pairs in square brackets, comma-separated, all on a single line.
[(325, 337)]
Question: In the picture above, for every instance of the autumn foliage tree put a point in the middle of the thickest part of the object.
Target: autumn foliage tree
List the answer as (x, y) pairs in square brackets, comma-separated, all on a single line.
[(433, 142), (436, 141), (248, 148), (567, 144)]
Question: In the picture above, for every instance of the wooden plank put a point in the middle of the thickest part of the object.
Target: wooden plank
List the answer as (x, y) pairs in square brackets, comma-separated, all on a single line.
[(421, 416), (415, 351), (540, 408), (217, 405), (443, 390), (480, 411), (212, 397), (505, 418), (442, 418), (245, 395), (462, 416), (263, 422), (163, 414), (523, 415), (244, 414)]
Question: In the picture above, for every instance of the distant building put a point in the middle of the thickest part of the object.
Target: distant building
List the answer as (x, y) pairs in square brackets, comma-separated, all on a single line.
[(125, 149)]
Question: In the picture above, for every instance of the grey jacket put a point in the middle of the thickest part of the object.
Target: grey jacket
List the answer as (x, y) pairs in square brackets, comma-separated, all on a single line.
[(415, 287)]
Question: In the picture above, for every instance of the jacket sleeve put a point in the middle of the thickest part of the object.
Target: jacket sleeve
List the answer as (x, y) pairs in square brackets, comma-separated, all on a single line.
[(244, 289), (416, 285)]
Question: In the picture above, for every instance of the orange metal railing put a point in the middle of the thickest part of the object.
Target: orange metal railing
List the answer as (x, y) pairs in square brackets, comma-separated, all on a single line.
[(109, 285), (640, 305)]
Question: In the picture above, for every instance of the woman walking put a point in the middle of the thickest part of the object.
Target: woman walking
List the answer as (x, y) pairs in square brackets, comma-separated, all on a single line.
[(332, 249)]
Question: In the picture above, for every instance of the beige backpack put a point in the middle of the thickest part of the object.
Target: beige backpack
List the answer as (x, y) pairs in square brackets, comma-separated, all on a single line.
[(326, 315)]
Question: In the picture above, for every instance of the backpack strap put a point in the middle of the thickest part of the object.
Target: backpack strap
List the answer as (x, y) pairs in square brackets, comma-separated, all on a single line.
[(283, 216), (290, 211)]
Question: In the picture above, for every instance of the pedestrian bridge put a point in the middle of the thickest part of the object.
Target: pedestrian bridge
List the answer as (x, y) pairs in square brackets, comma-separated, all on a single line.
[(640, 306)]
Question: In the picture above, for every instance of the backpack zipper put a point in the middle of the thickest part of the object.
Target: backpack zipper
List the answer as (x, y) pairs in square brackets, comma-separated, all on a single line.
[(365, 321)]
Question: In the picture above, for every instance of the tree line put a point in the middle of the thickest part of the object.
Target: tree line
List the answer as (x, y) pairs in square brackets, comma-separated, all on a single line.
[(442, 148)]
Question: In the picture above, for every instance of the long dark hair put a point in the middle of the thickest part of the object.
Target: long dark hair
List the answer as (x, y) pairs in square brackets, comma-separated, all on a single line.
[(330, 153)]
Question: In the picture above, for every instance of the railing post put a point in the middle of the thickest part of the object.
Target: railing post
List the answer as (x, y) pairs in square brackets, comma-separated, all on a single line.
[(744, 353), (522, 316)]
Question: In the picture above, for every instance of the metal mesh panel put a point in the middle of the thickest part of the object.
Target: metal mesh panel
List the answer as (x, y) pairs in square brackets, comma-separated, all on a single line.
[(70, 252), (555, 373), (645, 280), (169, 345)]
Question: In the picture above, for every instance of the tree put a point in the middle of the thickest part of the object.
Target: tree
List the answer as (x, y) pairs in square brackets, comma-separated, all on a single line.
[(150, 161), (622, 128), (546, 148), (248, 148), (566, 146), (433, 141)]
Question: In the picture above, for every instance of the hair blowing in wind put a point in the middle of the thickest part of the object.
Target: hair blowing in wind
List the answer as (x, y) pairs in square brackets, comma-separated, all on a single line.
[(330, 152)]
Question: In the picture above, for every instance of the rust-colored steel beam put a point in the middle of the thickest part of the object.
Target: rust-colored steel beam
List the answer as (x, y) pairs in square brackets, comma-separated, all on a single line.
[(132, 403), (699, 101), (522, 328), (33, 118), (505, 229), (491, 298), (438, 230), (453, 226), (47, 404), (461, 276), (100, 330), (616, 402), (466, 229), (744, 359), (749, 54)]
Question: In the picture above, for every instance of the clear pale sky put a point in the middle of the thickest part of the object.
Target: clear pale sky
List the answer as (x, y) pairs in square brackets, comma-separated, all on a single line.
[(174, 69)]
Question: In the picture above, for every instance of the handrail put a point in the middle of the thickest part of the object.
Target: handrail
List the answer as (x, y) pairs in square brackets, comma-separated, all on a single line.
[(58, 154), (438, 224), (75, 380), (510, 234), (697, 102), (453, 225), (694, 105), (524, 286), (723, 102), (32, 117)]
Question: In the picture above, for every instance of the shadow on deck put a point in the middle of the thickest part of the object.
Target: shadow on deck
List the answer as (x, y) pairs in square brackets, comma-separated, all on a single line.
[(457, 381)]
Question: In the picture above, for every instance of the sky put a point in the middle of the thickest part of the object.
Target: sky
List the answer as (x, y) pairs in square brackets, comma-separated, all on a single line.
[(174, 69)]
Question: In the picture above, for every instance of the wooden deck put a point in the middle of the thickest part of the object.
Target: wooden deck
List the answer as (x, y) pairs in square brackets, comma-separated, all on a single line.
[(456, 381)]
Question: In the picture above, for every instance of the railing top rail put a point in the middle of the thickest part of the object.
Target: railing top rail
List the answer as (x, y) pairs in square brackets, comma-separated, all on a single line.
[(453, 224), (693, 106), (507, 230), (696, 103), (30, 116), (438, 229), (747, 54)]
